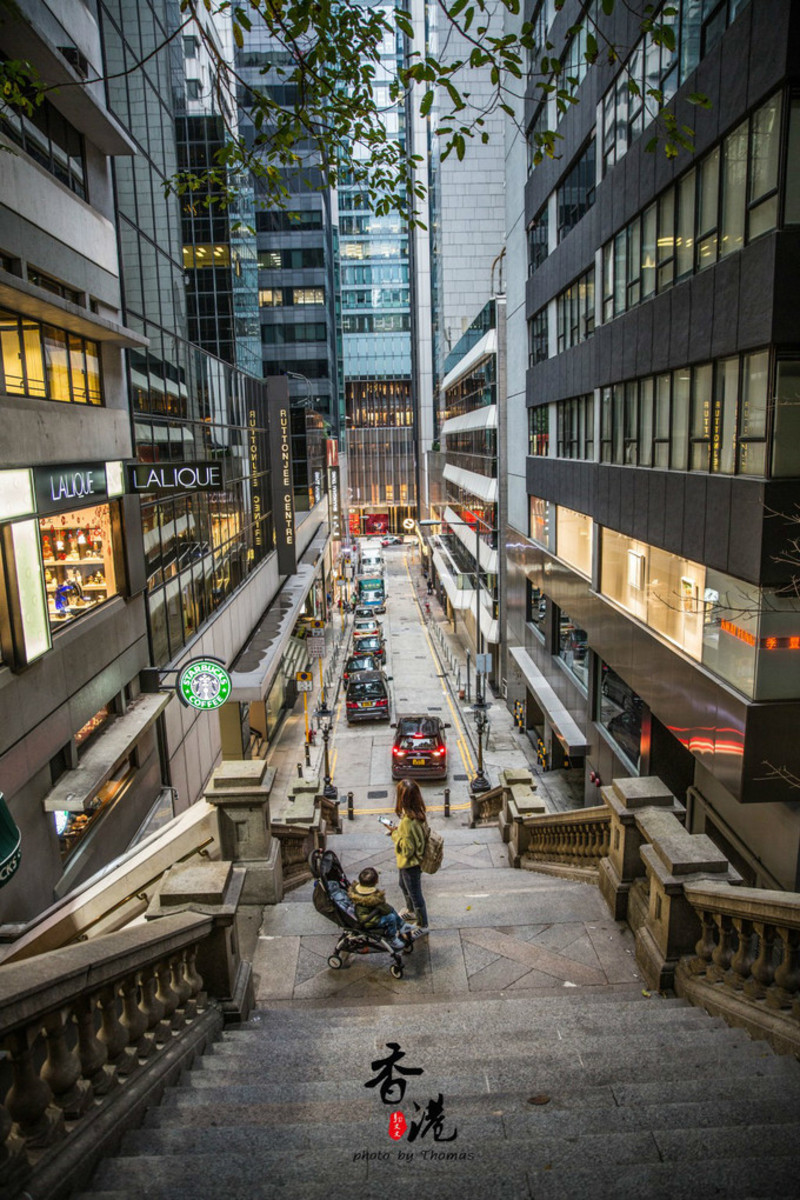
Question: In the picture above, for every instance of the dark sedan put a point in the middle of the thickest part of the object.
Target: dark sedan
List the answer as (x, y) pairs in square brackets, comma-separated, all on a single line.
[(419, 748)]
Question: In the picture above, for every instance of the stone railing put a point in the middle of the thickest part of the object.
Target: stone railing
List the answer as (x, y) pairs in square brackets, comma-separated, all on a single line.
[(577, 839), (746, 965), (733, 950), (93, 1034)]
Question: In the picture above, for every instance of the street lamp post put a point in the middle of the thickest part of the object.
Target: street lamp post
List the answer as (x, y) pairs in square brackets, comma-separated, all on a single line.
[(328, 791)]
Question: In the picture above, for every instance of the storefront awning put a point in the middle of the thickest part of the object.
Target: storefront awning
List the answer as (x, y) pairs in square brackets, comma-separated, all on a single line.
[(76, 788), (255, 668), (564, 727)]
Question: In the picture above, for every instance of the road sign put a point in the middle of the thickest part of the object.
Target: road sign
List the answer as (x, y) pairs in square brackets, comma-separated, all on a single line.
[(408, 523), (483, 664), (305, 681), (316, 647), (317, 624)]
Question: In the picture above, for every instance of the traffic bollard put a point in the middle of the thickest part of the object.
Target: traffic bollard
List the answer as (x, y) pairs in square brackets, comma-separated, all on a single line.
[(350, 813), (299, 770), (447, 802)]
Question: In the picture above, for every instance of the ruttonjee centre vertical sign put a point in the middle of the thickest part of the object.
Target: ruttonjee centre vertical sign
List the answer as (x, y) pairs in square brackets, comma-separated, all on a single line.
[(280, 439)]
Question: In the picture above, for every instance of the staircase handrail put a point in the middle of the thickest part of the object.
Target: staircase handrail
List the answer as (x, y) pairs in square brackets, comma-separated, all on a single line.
[(92, 1033), (574, 816), (577, 837), (755, 904)]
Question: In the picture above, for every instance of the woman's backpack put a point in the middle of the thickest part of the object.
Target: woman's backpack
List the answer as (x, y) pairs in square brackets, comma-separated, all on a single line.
[(434, 849)]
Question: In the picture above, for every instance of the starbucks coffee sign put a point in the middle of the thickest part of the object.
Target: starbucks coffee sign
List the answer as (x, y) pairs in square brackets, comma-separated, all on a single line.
[(203, 683)]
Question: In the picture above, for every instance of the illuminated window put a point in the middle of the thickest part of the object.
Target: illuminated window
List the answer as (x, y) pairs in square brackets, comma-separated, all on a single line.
[(42, 360)]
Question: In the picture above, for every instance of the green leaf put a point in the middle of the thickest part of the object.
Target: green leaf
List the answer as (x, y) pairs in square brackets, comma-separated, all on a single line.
[(700, 99), (651, 145), (425, 104), (238, 36), (608, 7)]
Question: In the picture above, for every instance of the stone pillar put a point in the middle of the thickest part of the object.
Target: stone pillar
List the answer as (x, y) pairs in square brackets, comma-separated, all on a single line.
[(240, 793), (214, 888), (626, 799), (674, 858)]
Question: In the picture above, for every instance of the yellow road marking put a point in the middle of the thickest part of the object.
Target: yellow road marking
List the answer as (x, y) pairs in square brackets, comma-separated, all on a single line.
[(333, 762)]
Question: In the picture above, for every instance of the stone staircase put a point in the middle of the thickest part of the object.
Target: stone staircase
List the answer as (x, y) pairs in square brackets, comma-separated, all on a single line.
[(608, 1095)]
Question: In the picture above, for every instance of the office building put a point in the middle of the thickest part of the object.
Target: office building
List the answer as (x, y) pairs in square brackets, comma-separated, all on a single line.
[(653, 620)]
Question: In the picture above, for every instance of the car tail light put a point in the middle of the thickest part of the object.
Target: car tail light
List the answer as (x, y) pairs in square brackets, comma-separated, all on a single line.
[(381, 703), (398, 752), (438, 753), (352, 704)]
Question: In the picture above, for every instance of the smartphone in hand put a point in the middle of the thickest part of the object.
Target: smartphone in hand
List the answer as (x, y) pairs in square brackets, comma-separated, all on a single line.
[(387, 822)]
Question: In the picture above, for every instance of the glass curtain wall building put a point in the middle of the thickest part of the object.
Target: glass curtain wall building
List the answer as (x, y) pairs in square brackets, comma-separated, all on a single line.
[(188, 406), (376, 340)]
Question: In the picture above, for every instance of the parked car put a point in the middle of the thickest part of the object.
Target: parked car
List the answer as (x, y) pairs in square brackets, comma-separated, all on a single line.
[(419, 747), (370, 643), (362, 610), (392, 539), (367, 697), (363, 625), (360, 662)]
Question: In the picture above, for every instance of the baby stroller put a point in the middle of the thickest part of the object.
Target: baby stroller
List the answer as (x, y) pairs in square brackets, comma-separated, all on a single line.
[(332, 901)]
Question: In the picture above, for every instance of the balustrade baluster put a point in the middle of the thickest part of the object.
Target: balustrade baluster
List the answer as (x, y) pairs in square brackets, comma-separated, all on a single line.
[(14, 1165), (62, 1067), (114, 1034), (743, 959), (157, 1028), (167, 996), (134, 1018), (180, 986), (723, 951), (787, 975), (700, 964), (93, 1053), (762, 971), (29, 1099)]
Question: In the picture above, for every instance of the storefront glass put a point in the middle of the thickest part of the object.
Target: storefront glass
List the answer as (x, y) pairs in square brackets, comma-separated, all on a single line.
[(574, 539), (573, 649), (72, 828), (78, 558), (619, 711)]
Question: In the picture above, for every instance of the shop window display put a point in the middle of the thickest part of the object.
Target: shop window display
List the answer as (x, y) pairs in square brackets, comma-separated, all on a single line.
[(78, 562), (72, 827), (573, 648)]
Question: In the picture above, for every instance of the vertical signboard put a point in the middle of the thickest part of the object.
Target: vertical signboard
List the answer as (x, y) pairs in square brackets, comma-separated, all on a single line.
[(280, 444), (334, 496), (257, 418)]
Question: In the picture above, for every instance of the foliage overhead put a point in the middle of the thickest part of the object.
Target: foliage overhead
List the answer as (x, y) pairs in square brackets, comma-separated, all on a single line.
[(346, 71)]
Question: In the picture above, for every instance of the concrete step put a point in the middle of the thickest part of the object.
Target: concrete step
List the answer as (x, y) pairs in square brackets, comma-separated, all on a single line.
[(333, 1060), (561, 1073), (755, 1178), (677, 1129)]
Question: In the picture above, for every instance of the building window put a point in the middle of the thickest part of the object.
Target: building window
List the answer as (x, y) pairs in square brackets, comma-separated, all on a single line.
[(541, 523), (576, 192), (78, 558), (194, 89), (573, 649), (270, 297), (574, 539), (536, 609), (308, 295), (538, 338), (619, 712), (576, 428), (575, 312), (51, 140), (786, 437), (538, 233), (729, 197), (539, 430), (42, 360), (190, 46)]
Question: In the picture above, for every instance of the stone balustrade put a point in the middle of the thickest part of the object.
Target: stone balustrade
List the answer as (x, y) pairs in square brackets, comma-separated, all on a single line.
[(577, 839), (746, 965), (91, 1035)]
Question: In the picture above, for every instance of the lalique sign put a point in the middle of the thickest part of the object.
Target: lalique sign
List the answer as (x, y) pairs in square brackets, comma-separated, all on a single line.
[(69, 486), (168, 478)]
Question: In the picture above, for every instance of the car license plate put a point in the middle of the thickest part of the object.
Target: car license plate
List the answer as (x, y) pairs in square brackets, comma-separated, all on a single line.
[(365, 704), (418, 762)]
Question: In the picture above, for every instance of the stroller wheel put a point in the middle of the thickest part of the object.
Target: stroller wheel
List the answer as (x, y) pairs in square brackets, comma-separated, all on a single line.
[(335, 962), (409, 949), (396, 970)]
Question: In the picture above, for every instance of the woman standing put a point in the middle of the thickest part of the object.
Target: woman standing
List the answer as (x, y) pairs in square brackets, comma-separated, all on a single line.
[(409, 846)]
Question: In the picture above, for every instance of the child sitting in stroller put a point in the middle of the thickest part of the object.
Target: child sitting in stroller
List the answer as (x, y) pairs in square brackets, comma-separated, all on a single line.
[(372, 910)]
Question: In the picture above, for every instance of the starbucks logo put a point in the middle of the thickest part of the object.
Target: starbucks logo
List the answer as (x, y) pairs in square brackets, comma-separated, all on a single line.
[(204, 684)]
